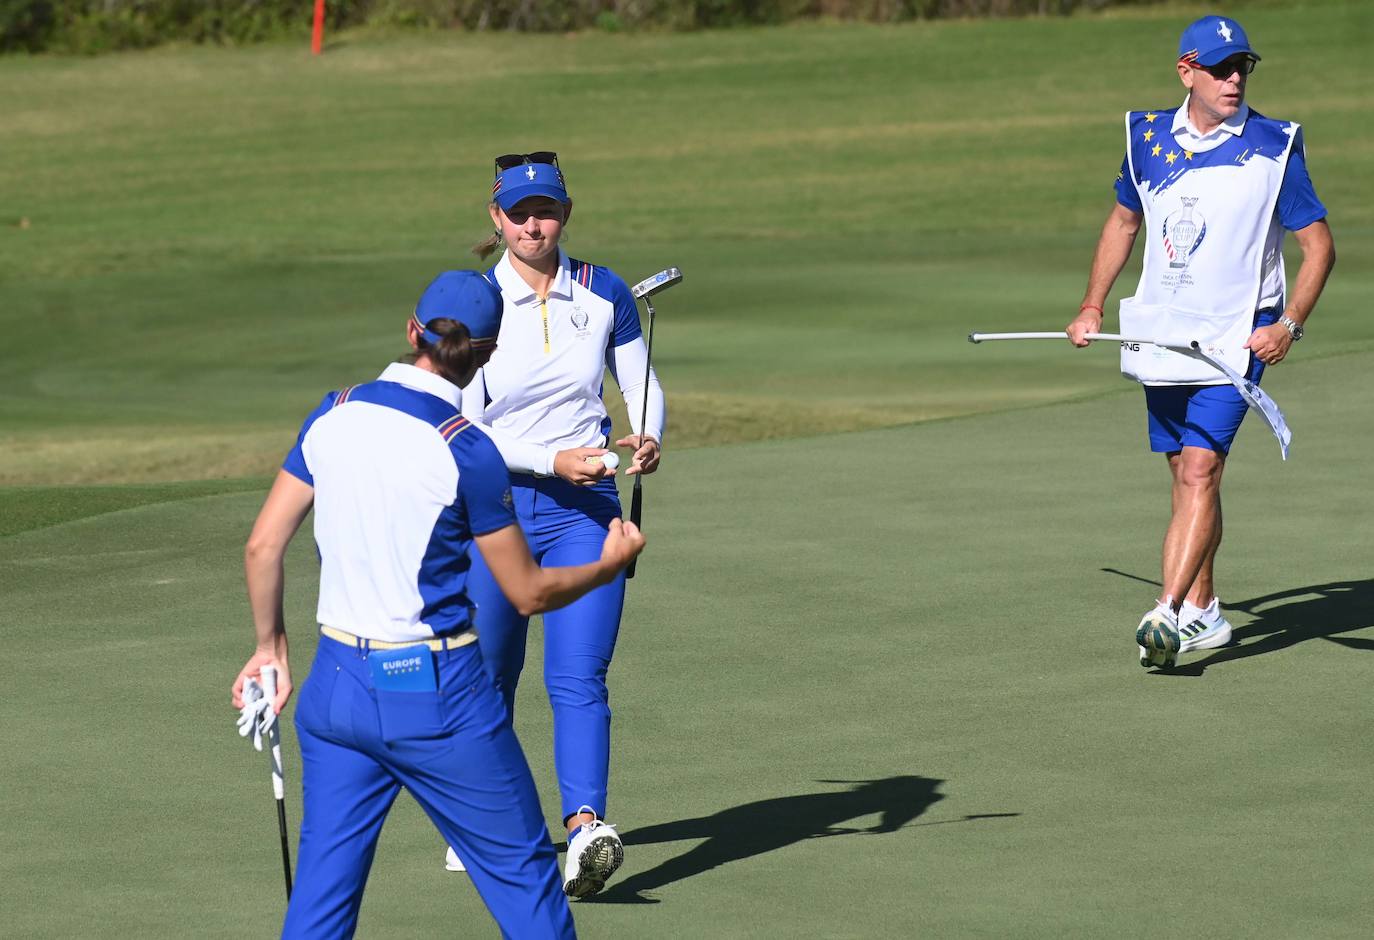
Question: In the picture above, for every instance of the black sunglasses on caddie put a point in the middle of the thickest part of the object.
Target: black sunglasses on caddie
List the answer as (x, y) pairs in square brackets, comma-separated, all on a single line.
[(509, 160), (1224, 69)]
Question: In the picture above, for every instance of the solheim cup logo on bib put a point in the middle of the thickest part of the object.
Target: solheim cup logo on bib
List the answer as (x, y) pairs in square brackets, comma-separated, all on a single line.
[(1184, 230)]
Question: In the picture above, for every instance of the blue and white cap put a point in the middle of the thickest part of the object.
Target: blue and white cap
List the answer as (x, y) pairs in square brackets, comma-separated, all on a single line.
[(1214, 39), (465, 296), (526, 180)]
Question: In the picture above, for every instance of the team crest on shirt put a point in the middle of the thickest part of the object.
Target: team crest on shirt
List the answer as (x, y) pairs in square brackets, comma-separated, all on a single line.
[(579, 321), (1184, 229), (507, 499)]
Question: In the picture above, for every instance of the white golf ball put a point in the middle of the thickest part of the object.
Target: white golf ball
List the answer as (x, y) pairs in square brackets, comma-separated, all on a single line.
[(611, 459)]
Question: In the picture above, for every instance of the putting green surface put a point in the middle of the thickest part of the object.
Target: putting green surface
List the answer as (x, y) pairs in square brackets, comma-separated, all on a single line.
[(871, 684), (877, 675)]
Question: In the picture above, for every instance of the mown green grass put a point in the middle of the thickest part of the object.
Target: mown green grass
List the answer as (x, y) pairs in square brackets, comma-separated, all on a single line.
[(941, 609), (215, 235), (25, 508)]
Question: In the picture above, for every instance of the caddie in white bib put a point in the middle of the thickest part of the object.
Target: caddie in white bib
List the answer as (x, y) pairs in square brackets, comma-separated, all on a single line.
[(1210, 188), (1212, 240)]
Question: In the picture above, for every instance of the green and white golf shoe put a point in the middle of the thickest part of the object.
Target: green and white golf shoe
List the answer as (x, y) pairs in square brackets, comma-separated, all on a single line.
[(1158, 638), (1203, 629)]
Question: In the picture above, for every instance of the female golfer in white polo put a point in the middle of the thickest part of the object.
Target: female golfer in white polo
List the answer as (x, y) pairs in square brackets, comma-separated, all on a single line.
[(565, 323), (402, 484)]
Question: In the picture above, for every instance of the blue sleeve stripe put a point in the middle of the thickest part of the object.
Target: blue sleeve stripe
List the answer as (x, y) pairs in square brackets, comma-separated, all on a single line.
[(483, 484), (1298, 205), (582, 273), (453, 427), (294, 463), (298, 470), (1126, 193)]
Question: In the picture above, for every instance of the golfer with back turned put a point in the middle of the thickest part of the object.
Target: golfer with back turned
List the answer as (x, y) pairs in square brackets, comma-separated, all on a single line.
[(402, 484), (1212, 186)]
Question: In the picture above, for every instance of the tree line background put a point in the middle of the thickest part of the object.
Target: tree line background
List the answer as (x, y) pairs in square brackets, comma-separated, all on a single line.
[(93, 26)]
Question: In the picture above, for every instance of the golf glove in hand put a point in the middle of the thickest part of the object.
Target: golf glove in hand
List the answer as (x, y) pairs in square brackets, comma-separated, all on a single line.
[(256, 717)]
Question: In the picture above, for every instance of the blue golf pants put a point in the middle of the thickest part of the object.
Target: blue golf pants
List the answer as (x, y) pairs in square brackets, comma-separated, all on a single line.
[(564, 525), (456, 753)]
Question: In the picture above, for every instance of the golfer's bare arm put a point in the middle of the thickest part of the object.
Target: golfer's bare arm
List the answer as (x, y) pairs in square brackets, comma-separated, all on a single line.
[(282, 513), (532, 589), (1113, 251)]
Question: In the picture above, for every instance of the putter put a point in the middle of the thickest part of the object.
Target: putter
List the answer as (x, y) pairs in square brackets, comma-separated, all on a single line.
[(269, 685), (644, 290)]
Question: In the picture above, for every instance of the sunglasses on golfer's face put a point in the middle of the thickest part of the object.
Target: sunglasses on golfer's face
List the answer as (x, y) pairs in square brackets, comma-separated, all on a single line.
[(1227, 67), (508, 160)]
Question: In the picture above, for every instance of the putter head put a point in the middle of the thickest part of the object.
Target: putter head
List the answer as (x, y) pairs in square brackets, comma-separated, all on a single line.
[(652, 285)]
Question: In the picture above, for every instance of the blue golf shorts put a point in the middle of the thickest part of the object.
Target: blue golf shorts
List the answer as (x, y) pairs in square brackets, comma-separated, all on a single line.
[(1206, 416)]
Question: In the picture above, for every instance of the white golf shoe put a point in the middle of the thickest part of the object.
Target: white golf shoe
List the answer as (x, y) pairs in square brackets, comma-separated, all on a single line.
[(1157, 637), (452, 862), (1202, 629), (594, 853)]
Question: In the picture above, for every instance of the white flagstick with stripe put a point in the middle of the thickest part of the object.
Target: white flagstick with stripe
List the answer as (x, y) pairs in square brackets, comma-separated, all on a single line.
[(1260, 401), (1257, 399), (987, 337)]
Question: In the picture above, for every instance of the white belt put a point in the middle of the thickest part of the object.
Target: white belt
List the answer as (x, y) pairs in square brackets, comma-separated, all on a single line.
[(438, 643)]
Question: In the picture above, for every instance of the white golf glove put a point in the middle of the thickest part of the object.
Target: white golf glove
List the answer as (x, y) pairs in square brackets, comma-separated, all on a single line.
[(256, 717)]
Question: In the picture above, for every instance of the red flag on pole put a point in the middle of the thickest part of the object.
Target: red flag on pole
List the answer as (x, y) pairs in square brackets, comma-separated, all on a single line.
[(317, 37)]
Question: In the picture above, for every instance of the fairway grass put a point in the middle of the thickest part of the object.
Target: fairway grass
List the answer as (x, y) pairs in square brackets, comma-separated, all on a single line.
[(923, 631), (216, 236)]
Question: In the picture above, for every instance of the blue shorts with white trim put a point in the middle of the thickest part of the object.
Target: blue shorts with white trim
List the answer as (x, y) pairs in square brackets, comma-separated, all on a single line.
[(1205, 416)]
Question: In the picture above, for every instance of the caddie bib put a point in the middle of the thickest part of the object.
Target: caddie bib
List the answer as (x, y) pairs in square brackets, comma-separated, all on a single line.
[(1211, 241)]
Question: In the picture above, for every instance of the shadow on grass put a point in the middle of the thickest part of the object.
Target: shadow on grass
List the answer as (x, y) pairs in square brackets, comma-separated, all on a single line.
[(1286, 618), (742, 832)]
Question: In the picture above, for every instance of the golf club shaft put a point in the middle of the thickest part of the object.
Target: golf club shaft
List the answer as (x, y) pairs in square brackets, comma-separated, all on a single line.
[(637, 499), (269, 686), (285, 846)]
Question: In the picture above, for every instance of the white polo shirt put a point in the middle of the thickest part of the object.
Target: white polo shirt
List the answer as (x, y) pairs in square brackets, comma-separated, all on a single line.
[(1189, 138), (402, 482), (541, 391)]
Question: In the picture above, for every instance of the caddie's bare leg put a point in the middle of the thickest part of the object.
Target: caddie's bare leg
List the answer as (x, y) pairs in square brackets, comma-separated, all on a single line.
[(1194, 533)]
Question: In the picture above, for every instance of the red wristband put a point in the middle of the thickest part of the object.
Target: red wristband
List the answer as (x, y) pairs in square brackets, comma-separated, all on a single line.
[(1091, 307)]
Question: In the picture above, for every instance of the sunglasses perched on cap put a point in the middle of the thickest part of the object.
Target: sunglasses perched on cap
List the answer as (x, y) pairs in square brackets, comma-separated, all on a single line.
[(1224, 69), (509, 160)]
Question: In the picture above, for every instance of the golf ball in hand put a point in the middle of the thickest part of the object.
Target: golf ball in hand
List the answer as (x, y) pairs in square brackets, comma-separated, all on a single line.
[(610, 459)]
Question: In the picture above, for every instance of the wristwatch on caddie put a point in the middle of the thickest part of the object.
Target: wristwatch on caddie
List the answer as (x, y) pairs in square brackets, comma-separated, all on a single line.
[(1293, 327)]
